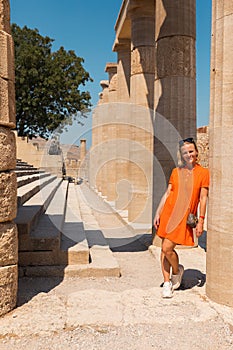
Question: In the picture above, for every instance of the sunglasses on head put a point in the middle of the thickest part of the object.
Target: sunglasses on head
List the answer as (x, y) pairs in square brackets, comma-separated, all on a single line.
[(189, 140)]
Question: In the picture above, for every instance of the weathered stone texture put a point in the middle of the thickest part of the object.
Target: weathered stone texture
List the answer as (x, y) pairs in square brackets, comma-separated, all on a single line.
[(7, 56), (175, 18), (142, 58), (220, 211), (141, 27), (7, 103), (5, 16), (8, 196), (8, 244), (8, 288), (8, 149), (175, 56), (203, 146)]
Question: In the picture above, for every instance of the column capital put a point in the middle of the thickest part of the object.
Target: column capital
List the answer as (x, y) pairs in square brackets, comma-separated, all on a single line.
[(111, 68), (122, 45)]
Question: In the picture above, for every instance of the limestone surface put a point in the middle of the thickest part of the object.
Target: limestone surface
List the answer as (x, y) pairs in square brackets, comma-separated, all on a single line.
[(5, 16), (7, 103), (8, 288), (7, 56), (8, 244), (8, 196), (8, 149)]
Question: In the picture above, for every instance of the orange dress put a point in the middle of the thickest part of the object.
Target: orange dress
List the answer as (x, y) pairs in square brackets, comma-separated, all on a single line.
[(183, 199)]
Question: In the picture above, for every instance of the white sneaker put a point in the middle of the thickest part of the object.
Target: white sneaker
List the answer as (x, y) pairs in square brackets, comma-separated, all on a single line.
[(167, 290), (176, 279)]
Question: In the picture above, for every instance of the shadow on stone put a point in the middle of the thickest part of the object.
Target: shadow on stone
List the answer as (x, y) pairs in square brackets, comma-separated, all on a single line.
[(192, 278), (138, 243), (29, 287), (202, 240)]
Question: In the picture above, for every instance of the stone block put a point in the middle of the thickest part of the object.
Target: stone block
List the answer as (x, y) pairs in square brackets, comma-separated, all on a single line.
[(5, 16), (38, 258), (8, 244), (7, 56), (7, 103), (175, 18), (8, 197), (8, 288), (176, 57), (8, 149)]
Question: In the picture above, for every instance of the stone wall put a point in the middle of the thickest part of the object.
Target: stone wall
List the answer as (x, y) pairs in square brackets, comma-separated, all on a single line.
[(8, 184), (203, 145)]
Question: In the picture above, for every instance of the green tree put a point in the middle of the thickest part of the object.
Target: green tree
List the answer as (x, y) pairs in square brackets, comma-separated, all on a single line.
[(48, 94)]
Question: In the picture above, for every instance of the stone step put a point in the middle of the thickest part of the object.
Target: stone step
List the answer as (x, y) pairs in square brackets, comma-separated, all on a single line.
[(29, 213), (24, 166), (47, 233), (74, 246), (100, 252), (26, 179), (101, 265), (43, 244), (24, 193), (28, 172), (99, 259)]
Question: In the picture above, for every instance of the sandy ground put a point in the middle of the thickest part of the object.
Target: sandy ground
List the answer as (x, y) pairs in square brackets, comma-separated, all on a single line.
[(119, 313)]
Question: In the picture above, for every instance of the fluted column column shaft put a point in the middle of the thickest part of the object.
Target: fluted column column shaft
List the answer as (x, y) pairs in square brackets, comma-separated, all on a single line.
[(123, 49), (98, 118), (175, 86), (109, 137), (220, 214), (142, 15)]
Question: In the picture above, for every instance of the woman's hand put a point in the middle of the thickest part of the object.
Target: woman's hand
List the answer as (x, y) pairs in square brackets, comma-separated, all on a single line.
[(156, 221), (199, 228)]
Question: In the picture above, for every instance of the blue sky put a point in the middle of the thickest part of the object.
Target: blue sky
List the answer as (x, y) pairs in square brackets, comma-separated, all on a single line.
[(87, 27)]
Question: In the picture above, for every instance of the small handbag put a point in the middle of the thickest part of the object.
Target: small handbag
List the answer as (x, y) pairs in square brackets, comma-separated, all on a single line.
[(192, 220)]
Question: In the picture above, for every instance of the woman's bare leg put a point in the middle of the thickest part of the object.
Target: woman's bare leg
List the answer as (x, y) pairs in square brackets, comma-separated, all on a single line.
[(169, 258), (166, 267)]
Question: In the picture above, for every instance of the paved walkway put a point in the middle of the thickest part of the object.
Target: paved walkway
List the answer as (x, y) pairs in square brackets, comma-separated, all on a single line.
[(119, 313)]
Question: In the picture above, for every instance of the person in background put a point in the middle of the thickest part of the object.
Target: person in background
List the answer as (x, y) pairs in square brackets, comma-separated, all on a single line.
[(187, 188)]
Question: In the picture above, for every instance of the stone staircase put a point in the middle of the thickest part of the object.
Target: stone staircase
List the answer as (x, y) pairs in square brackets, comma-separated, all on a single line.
[(58, 234)]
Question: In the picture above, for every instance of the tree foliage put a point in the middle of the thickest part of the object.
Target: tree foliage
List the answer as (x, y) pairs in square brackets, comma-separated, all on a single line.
[(47, 84)]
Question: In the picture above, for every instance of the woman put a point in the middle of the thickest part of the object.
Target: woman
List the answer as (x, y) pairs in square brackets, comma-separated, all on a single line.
[(188, 187)]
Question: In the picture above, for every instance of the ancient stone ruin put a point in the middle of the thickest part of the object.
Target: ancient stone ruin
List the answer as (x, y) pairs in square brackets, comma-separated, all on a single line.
[(147, 104)]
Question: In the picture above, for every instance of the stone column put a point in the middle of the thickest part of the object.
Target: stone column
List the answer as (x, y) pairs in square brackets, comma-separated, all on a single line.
[(96, 154), (8, 182), (109, 129), (219, 268), (142, 15), (123, 49), (175, 86)]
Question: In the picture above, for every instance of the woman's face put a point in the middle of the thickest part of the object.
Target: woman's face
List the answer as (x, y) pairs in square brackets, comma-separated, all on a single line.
[(189, 154)]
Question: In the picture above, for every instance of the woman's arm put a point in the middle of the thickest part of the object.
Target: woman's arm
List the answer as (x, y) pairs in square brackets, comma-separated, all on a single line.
[(161, 205), (202, 210)]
